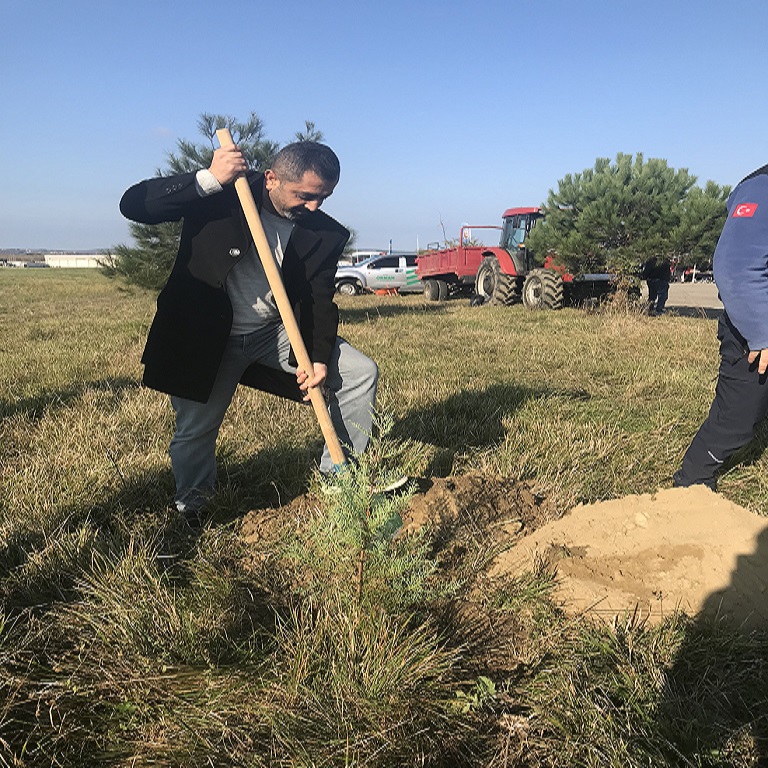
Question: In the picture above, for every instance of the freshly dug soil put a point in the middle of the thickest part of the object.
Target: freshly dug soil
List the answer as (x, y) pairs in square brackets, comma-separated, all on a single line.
[(680, 548), (494, 506)]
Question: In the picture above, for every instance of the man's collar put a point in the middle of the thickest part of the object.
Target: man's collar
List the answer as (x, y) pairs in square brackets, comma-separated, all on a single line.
[(266, 200)]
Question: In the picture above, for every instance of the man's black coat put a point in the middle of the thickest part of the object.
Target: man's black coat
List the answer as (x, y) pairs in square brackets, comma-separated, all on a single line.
[(194, 314)]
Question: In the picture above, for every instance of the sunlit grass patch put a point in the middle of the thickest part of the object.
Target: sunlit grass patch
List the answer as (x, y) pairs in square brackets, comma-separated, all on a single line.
[(361, 685)]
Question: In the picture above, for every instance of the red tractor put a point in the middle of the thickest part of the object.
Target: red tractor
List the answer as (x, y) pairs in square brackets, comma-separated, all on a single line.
[(506, 274)]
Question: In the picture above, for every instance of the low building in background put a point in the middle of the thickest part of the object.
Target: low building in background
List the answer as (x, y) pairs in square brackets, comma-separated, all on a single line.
[(75, 260)]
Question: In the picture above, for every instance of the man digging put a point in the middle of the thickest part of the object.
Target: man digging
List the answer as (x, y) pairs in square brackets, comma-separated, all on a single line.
[(217, 324)]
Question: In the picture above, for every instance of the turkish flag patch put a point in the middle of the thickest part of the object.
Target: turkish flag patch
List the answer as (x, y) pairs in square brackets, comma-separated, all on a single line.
[(744, 211)]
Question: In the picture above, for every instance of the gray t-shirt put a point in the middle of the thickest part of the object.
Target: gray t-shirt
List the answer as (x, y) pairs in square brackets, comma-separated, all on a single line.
[(253, 304)]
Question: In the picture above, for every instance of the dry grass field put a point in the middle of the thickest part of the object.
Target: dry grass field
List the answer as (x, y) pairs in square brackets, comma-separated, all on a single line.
[(307, 628)]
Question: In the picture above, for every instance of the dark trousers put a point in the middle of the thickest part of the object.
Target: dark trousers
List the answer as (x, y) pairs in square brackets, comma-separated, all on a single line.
[(658, 293), (740, 404)]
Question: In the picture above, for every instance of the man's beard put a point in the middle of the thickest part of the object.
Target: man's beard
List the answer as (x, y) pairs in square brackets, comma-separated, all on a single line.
[(295, 214)]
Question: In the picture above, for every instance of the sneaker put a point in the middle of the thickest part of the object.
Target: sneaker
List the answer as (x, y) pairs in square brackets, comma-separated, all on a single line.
[(334, 489), (393, 485), (193, 517)]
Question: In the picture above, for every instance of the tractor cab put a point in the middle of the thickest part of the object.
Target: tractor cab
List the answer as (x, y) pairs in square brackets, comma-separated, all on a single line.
[(517, 223)]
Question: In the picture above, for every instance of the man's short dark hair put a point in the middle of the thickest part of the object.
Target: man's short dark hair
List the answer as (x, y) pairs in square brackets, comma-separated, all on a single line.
[(294, 160)]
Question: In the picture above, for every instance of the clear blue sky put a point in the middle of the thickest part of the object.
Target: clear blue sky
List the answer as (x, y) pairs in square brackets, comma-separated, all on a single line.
[(438, 110)]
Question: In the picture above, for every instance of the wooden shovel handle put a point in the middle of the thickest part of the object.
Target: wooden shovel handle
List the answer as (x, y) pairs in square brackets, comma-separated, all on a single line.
[(275, 280)]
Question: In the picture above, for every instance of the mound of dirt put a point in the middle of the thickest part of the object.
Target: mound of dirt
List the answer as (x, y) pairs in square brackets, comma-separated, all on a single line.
[(681, 548)]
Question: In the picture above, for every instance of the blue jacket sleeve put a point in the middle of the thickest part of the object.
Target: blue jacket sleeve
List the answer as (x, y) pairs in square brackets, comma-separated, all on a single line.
[(741, 260)]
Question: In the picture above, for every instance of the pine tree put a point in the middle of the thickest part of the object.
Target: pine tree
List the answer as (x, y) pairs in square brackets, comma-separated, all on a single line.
[(310, 133), (149, 263), (617, 215), (702, 218)]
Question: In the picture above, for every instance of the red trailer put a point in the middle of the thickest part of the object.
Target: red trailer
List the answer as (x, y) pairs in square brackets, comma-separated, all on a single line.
[(506, 273)]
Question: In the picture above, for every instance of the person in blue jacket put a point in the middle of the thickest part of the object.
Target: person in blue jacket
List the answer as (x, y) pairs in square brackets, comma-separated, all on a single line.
[(741, 394)]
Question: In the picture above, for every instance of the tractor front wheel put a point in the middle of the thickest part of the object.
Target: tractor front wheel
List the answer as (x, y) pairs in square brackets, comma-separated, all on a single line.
[(493, 285), (543, 289)]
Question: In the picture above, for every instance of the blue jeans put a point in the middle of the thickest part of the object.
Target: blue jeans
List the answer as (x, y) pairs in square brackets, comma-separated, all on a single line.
[(351, 386)]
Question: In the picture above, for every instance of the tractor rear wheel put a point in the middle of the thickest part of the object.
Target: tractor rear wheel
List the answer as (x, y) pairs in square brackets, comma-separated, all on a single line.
[(493, 285), (543, 289)]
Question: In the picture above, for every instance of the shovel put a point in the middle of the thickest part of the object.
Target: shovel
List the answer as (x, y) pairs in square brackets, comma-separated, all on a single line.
[(275, 280)]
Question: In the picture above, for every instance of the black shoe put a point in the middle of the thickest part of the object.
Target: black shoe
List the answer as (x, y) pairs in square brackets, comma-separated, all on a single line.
[(194, 518), (678, 481)]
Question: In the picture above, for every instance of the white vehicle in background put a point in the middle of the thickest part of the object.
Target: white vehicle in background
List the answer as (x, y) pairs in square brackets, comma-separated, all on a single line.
[(385, 272)]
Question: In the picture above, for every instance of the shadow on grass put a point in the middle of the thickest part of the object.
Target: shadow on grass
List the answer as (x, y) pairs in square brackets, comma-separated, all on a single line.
[(702, 313), (268, 478), (469, 419), (41, 565), (384, 311), (716, 702), (37, 406)]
